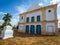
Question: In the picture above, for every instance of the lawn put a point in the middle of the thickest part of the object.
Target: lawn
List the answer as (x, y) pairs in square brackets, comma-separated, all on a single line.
[(27, 39)]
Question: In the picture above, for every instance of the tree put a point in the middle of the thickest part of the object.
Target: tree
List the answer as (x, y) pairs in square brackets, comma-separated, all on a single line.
[(7, 18), (0, 26)]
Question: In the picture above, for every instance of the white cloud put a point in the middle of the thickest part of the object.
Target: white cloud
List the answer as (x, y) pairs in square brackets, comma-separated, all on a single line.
[(54, 1), (2, 13), (14, 20), (58, 21), (21, 8), (41, 4), (58, 17), (58, 5), (58, 24)]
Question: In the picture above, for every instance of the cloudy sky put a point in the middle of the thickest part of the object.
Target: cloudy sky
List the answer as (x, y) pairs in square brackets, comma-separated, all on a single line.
[(15, 7)]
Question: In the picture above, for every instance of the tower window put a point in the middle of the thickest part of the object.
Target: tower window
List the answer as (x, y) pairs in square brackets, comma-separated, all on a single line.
[(49, 10), (22, 17)]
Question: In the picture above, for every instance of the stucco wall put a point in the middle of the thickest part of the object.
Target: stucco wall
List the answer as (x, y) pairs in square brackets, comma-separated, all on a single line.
[(21, 27), (45, 15), (35, 14), (50, 15), (50, 24), (21, 20)]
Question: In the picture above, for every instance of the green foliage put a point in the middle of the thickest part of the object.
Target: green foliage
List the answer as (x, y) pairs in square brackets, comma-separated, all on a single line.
[(0, 27), (9, 24), (7, 18), (4, 24)]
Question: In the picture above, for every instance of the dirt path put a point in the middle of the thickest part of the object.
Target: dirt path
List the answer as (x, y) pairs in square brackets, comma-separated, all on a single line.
[(24, 39)]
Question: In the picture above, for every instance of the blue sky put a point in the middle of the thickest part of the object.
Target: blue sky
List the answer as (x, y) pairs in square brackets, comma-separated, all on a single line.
[(15, 7)]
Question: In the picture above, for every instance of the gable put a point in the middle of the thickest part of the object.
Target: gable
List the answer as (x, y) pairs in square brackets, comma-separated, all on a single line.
[(33, 7)]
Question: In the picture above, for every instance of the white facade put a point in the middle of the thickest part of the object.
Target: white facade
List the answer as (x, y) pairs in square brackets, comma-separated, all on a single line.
[(50, 15), (47, 19), (21, 20), (21, 27), (35, 14), (50, 27)]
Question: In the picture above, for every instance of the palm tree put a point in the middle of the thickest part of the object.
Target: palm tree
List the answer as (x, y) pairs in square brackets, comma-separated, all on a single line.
[(7, 18)]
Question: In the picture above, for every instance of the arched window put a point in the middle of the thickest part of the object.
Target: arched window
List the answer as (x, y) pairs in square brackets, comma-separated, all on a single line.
[(32, 29), (22, 17), (27, 28), (32, 19), (38, 18), (38, 29), (27, 20)]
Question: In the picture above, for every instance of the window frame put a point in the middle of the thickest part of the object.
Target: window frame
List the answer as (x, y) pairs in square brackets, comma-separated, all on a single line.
[(33, 19), (27, 19), (39, 18)]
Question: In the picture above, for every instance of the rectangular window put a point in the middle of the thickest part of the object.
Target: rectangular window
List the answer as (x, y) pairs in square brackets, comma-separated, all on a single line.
[(22, 17), (50, 29), (27, 28), (38, 18), (32, 19), (27, 20)]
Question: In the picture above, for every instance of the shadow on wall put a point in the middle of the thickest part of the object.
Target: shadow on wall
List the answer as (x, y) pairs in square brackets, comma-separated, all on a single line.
[(19, 34), (59, 29)]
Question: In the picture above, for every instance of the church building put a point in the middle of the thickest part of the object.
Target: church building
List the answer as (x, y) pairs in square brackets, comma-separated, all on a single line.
[(39, 20)]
